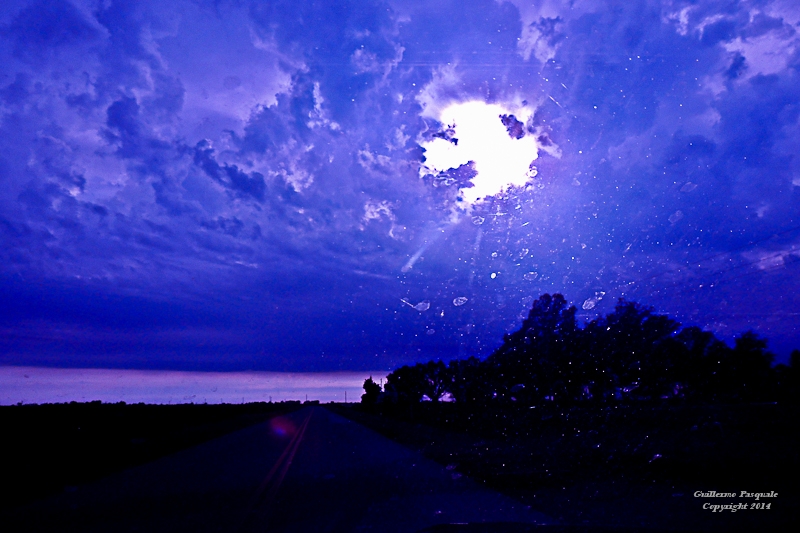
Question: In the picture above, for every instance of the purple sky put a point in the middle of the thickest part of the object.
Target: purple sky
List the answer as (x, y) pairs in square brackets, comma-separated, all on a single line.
[(234, 185), (59, 385)]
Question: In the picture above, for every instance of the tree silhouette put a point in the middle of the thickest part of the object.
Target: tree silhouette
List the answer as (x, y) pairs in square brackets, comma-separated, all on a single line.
[(372, 392), (632, 353), (467, 381), (533, 360)]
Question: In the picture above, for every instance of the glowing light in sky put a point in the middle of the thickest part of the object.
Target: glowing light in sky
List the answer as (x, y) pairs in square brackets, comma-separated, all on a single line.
[(500, 159)]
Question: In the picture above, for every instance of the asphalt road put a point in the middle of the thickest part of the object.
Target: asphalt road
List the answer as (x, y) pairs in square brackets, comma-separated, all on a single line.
[(310, 471)]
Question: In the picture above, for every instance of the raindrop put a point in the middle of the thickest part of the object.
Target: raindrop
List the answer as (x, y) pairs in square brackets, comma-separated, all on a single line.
[(430, 332), (477, 220), (590, 303), (494, 275), (423, 306), (675, 217), (530, 276), (688, 187), (461, 300), (523, 253)]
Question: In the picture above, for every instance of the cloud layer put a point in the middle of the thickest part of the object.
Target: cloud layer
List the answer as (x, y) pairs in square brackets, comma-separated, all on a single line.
[(243, 184)]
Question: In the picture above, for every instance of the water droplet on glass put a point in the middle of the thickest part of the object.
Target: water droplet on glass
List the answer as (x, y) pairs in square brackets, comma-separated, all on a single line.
[(494, 254), (688, 187), (423, 306), (494, 275), (675, 217), (530, 276), (590, 303), (477, 220), (461, 300), (430, 332)]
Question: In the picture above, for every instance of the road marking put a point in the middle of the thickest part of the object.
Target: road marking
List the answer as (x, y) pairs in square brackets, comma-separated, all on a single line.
[(260, 505)]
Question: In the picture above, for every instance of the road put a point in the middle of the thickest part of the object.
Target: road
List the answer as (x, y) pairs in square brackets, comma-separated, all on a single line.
[(310, 471)]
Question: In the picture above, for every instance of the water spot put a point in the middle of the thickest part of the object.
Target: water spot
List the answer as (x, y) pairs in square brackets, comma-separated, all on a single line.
[(675, 217), (590, 303), (422, 306), (688, 187), (478, 220), (461, 300), (494, 275), (523, 253), (530, 276), (430, 332), (494, 254)]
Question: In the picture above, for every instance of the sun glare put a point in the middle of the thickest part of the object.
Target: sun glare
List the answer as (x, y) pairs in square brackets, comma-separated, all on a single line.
[(500, 159)]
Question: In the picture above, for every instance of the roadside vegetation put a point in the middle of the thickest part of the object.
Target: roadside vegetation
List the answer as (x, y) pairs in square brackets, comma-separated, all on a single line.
[(616, 423)]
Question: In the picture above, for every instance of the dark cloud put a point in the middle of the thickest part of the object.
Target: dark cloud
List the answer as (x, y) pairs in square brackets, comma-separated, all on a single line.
[(46, 25), (228, 175)]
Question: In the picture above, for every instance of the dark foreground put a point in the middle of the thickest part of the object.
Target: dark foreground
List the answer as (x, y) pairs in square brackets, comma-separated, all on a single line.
[(286, 467), (626, 466), (51, 448), (310, 470)]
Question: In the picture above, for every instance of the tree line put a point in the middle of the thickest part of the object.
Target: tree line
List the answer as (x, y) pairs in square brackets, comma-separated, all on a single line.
[(631, 354)]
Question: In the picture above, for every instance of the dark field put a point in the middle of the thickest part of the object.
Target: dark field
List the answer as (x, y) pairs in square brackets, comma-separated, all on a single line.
[(51, 448), (625, 466)]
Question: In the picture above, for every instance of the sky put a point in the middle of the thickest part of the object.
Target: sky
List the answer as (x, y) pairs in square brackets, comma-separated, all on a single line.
[(42, 385), (355, 185)]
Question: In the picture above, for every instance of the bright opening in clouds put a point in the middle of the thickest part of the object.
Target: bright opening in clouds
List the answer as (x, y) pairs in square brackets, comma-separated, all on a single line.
[(490, 136)]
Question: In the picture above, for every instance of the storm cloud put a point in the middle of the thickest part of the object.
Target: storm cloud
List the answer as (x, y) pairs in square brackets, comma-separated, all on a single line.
[(232, 185)]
